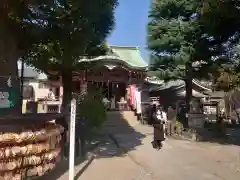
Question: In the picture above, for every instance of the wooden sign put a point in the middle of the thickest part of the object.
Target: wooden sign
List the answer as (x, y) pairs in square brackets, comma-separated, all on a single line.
[(196, 120), (4, 103)]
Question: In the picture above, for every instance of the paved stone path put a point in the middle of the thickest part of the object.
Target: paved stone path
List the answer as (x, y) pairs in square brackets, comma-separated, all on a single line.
[(111, 163), (178, 160), (128, 155)]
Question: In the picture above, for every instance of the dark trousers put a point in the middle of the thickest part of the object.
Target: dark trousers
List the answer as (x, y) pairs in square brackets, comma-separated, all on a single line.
[(157, 144)]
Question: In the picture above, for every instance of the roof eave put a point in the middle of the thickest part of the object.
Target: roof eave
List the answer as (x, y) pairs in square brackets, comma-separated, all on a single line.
[(117, 60)]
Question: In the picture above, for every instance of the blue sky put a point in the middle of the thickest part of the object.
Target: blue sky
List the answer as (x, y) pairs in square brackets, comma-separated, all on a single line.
[(131, 25)]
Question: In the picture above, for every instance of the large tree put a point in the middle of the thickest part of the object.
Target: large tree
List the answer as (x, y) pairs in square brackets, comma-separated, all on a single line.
[(20, 27), (180, 43), (227, 78), (176, 39), (221, 19), (76, 29)]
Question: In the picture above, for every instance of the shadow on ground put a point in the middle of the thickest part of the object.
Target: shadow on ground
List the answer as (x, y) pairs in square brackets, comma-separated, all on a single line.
[(119, 129), (63, 167), (104, 142), (232, 136)]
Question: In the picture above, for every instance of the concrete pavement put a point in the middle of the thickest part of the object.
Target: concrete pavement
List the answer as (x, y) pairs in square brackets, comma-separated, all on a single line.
[(181, 159), (177, 160), (185, 160), (111, 163)]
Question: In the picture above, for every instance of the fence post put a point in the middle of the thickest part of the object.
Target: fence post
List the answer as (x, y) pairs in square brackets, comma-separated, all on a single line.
[(72, 139)]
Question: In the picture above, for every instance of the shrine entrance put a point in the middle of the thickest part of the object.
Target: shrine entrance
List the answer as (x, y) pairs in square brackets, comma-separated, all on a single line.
[(114, 93), (118, 89), (110, 89), (111, 74)]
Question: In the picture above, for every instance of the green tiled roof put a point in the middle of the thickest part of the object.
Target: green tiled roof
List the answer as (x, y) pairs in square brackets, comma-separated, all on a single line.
[(126, 56), (157, 85), (130, 55)]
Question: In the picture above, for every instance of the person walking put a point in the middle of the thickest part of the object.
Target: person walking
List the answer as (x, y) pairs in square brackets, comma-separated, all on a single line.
[(171, 120), (159, 128)]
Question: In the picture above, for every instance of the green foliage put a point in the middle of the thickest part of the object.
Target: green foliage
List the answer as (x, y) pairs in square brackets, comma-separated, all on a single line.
[(179, 126), (23, 20), (226, 80), (175, 36), (93, 109), (21, 26), (188, 31), (75, 29), (221, 18), (227, 75)]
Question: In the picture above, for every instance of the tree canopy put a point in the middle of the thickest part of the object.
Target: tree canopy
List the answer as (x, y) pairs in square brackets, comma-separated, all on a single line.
[(21, 26), (176, 37), (177, 40), (221, 20), (192, 38), (74, 29), (23, 21), (227, 76), (186, 32), (52, 33)]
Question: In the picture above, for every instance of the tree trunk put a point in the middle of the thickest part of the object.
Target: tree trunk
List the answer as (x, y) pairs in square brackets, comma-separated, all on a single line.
[(83, 88), (67, 88), (227, 103), (67, 97), (188, 83), (188, 86), (9, 54)]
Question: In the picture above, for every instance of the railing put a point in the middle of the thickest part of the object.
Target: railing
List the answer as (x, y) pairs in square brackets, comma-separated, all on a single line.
[(52, 108), (42, 107)]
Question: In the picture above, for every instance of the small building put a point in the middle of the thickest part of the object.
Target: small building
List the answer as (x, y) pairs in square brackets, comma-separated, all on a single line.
[(39, 91), (173, 92)]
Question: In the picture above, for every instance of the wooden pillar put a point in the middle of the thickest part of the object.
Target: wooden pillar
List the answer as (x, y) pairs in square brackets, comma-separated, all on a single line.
[(61, 92), (129, 77), (108, 89), (83, 85), (83, 88)]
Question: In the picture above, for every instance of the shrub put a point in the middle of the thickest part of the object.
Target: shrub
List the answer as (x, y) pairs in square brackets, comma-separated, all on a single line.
[(179, 127), (93, 108)]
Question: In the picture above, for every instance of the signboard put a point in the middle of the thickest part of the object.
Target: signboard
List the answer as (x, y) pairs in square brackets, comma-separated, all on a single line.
[(196, 120), (72, 139), (4, 102)]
